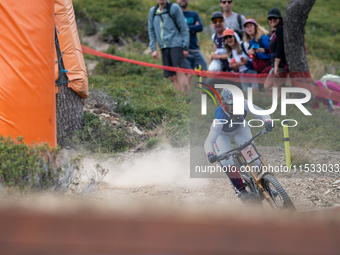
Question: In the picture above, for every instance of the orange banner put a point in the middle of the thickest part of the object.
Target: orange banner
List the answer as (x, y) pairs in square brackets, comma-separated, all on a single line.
[(27, 91), (70, 47)]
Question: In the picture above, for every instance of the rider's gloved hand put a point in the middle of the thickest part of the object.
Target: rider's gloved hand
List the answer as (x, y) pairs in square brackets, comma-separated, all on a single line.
[(212, 158), (269, 125)]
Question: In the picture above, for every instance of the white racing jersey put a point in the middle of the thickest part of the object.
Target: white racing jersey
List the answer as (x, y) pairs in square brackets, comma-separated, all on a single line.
[(224, 125)]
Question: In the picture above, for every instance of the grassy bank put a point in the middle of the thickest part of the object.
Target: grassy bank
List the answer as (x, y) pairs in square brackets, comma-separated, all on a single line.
[(127, 19), (144, 97), (321, 130)]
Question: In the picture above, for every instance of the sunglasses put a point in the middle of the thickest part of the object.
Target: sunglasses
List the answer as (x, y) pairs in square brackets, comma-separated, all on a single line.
[(215, 20), (228, 37), (224, 2), (272, 18)]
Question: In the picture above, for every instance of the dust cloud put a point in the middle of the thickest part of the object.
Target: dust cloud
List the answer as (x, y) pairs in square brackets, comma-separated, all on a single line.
[(155, 168)]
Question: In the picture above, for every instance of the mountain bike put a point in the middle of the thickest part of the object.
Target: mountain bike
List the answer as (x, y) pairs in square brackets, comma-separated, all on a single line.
[(256, 179)]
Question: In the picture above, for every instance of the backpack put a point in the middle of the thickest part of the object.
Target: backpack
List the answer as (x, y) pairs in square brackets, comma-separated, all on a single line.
[(168, 7), (239, 31), (244, 49)]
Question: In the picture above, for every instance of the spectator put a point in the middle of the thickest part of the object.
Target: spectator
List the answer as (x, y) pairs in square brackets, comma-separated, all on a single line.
[(278, 59), (218, 59), (331, 82), (232, 19), (167, 26), (238, 58), (258, 40), (195, 58)]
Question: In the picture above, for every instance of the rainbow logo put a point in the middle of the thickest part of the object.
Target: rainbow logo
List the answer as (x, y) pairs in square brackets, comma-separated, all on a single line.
[(208, 92)]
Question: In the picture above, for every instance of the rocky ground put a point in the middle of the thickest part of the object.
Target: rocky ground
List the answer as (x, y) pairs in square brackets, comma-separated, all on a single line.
[(163, 176)]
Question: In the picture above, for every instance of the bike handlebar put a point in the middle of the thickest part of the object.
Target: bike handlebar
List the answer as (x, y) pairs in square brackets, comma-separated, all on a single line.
[(228, 154)]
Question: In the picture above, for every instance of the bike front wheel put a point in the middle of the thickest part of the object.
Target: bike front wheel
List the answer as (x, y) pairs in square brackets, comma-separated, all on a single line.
[(277, 194)]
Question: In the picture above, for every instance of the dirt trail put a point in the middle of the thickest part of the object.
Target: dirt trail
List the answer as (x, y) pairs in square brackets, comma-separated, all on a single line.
[(162, 176)]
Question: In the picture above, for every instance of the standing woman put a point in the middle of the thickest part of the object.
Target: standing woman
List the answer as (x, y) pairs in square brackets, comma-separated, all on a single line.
[(258, 40), (276, 47)]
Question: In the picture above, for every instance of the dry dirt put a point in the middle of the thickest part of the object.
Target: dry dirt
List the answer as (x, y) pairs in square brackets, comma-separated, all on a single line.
[(162, 176)]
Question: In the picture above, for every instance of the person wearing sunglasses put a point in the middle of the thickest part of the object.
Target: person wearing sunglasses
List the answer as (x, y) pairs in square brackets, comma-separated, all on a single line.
[(276, 49), (232, 19), (258, 40), (238, 58), (218, 59)]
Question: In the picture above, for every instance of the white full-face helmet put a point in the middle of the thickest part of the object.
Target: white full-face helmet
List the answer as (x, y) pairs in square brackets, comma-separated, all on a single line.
[(227, 100)]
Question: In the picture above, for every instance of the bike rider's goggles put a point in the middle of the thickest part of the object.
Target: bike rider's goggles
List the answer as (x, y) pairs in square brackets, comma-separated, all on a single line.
[(228, 107)]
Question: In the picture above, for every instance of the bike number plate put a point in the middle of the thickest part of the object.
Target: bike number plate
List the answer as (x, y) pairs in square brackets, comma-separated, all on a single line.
[(249, 153)]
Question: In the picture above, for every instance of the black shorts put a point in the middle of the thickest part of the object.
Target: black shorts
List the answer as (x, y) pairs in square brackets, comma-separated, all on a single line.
[(172, 57)]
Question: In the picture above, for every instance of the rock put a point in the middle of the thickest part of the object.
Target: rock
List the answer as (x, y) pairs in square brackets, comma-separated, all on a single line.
[(116, 115), (147, 51), (140, 149), (115, 123), (327, 192), (99, 105), (104, 115), (336, 182)]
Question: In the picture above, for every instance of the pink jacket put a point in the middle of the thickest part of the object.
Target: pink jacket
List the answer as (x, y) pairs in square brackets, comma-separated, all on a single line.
[(332, 86)]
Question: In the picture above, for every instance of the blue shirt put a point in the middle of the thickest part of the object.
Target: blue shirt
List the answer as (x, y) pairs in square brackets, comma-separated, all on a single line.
[(264, 43), (191, 17), (220, 114)]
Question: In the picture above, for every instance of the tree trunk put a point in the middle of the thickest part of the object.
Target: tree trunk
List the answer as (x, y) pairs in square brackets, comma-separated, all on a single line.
[(294, 42), (69, 107), (294, 35)]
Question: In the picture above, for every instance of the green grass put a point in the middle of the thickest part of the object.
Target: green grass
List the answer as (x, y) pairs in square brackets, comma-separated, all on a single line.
[(118, 68), (143, 96), (154, 142), (127, 18), (321, 130), (149, 102), (100, 136)]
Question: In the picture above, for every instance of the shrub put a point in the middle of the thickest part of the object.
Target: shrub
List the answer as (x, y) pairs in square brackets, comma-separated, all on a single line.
[(153, 142), (119, 18), (120, 27), (26, 166), (100, 135)]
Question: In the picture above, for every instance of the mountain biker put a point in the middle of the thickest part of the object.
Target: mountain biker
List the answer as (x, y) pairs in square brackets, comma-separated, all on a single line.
[(220, 134)]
